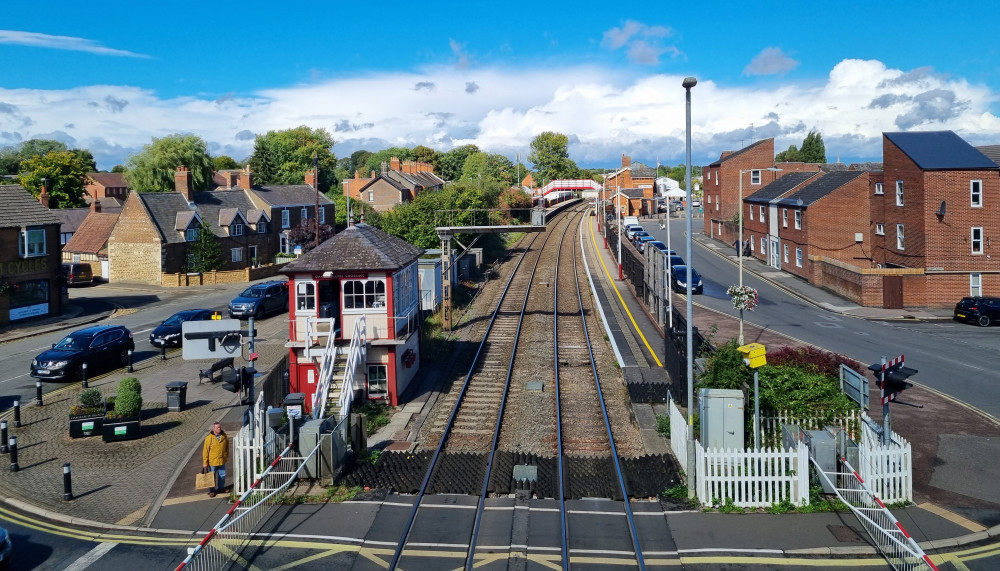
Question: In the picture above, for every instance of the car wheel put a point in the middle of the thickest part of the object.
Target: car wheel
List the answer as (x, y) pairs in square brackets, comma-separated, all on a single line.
[(259, 312), (983, 320), (123, 357)]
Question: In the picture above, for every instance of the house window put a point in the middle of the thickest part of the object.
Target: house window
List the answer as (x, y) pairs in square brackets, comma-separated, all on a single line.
[(798, 219), (755, 177), (285, 217), (305, 296), (371, 196), (262, 227), (751, 212), (304, 214), (761, 212), (878, 188), (899, 193), (26, 294), (763, 246), (236, 229), (708, 175), (976, 284), (283, 243), (322, 215), (899, 237), (236, 254), (976, 190), (708, 197), (31, 242), (364, 294), (750, 243), (191, 234), (798, 257), (880, 229), (716, 203), (977, 240), (786, 253), (378, 381), (784, 217), (64, 237)]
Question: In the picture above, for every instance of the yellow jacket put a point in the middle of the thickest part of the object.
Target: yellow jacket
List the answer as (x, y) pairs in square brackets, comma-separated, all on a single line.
[(215, 451)]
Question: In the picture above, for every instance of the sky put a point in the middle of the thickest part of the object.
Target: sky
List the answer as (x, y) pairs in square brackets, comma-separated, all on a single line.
[(112, 76)]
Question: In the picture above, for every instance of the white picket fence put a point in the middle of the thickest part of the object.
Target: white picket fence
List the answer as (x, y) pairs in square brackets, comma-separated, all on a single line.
[(678, 435), (886, 469), (253, 448)]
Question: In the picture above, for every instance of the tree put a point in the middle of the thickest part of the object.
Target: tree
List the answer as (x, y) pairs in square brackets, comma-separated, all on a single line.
[(153, 168), (225, 162), (64, 174), (118, 168), (452, 162), (550, 155), (206, 253), (283, 157), (813, 150), (358, 160), (789, 155), (305, 234), (492, 167), (375, 160), (426, 155)]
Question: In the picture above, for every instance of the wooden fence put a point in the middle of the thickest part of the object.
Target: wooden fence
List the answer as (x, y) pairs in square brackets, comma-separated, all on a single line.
[(750, 479)]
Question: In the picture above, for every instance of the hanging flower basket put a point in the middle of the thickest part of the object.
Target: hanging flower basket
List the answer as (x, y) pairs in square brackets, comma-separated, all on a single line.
[(744, 297)]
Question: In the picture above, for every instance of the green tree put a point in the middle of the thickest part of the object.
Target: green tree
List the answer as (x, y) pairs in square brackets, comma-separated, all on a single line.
[(65, 176), (452, 162), (426, 155), (358, 160), (550, 155), (206, 252), (789, 155), (283, 157), (492, 167), (39, 147), (225, 162), (375, 160), (118, 168), (153, 168), (813, 150)]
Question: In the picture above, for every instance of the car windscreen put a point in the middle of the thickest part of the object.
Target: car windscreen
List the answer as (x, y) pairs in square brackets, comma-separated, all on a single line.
[(177, 318), (75, 341), (253, 292)]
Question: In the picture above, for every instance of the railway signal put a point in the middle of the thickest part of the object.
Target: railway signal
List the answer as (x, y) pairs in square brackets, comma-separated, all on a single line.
[(891, 377)]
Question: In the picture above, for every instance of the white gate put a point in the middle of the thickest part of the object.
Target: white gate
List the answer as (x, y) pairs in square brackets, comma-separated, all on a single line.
[(253, 448)]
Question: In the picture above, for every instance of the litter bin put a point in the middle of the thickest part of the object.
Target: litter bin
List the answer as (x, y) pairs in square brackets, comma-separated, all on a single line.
[(176, 395), (293, 404), (325, 310)]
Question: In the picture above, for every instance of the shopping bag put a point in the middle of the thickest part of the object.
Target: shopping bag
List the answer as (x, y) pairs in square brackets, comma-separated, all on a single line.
[(204, 480)]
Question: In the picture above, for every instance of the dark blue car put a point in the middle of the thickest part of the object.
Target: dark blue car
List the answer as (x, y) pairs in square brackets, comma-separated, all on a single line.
[(101, 347), (168, 333), (678, 280)]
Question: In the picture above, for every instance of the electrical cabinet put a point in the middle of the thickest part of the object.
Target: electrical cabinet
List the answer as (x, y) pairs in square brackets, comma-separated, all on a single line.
[(722, 418)]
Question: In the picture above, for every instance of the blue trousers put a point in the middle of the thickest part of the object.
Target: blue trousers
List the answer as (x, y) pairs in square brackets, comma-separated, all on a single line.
[(220, 477)]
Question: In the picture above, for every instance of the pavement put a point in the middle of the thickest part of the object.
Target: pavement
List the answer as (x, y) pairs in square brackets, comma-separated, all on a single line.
[(146, 485)]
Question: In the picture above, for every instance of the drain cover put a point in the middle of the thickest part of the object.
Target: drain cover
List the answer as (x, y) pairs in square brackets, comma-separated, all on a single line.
[(524, 472), (533, 385)]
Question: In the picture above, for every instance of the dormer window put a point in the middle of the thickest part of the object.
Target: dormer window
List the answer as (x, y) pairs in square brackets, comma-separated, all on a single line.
[(262, 226), (236, 229), (191, 234)]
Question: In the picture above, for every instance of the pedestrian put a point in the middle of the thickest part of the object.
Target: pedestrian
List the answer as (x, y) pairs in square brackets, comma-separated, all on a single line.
[(214, 455), (746, 249), (736, 245)]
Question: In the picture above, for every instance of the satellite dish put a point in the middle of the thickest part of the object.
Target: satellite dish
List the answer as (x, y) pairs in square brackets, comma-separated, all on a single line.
[(941, 210)]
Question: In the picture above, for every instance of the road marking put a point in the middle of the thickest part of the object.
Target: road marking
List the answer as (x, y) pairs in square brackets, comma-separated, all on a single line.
[(952, 517), (91, 557)]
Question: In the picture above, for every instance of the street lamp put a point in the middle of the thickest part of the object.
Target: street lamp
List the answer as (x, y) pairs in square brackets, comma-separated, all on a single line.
[(688, 83), (739, 247)]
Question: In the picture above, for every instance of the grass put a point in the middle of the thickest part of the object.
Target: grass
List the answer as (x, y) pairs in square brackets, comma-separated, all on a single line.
[(663, 425), (376, 414), (332, 494)]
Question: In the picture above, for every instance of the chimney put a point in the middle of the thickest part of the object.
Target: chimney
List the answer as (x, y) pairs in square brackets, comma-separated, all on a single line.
[(311, 178), (385, 169), (44, 196), (231, 178), (626, 161), (246, 178), (373, 172), (182, 182), (394, 163), (95, 206)]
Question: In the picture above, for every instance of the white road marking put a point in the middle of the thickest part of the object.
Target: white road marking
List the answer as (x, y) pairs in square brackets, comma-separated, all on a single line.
[(91, 557)]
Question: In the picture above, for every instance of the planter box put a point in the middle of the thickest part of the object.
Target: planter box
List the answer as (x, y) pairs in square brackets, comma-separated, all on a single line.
[(118, 429), (87, 425)]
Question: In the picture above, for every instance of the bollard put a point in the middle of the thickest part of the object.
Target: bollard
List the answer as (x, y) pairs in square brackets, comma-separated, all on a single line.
[(13, 454), (163, 352), (3, 437), (38, 393), (83, 373), (67, 483), (17, 414), (130, 361)]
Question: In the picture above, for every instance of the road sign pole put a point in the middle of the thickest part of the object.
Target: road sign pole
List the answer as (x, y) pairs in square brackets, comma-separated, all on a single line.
[(886, 421)]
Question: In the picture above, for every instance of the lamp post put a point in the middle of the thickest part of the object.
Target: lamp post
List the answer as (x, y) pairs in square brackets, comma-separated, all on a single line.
[(739, 247), (688, 83)]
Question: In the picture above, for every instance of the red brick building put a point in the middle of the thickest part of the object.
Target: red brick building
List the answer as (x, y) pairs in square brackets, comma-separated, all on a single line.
[(396, 183), (721, 184), (29, 257), (102, 185)]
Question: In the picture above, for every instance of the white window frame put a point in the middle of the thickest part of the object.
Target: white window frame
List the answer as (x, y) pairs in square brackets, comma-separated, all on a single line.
[(763, 245), (371, 296), (976, 193), (785, 251), (236, 254), (305, 296), (798, 219), (285, 218), (322, 215), (751, 212), (31, 242), (371, 196), (262, 226), (304, 214), (900, 237), (377, 380), (761, 213), (879, 229), (798, 257), (784, 217), (755, 176), (708, 175), (236, 229), (750, 242), (879, 188), (976, 284), (191, 234), (899, 193), (976, 240)]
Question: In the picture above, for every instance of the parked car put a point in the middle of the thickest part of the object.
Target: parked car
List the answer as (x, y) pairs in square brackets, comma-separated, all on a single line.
[(101, 347), (980, 310), (260, 299), (631, 229), (636, 235), (641, 241), (675, 260), (678, 280), (662, 247), (168, 333), (5, 547), (695, 203), (77, 273)]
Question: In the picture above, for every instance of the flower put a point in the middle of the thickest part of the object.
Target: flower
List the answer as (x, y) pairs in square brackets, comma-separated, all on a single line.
[(744, 297)]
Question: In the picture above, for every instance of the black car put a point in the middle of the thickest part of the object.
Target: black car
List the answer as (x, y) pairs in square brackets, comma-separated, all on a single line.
[(678, 280), (168, 333), (980, 310), (101, 347), (260, 299)]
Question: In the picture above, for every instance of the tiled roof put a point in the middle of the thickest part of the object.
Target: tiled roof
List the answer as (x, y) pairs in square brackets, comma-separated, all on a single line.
[(780, 186), (19, 208), (359, 247), (70, 218), (632, 192), (640, 170), (729, 155), (107, 203), (93, 233), (182, 220), (871, 167), (108, 179), (940, 150), (820, 187), (992, 152), (163, 207), (289, 195), (833, 167)]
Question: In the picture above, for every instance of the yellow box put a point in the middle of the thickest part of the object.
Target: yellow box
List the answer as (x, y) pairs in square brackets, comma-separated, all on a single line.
[(754, 354)]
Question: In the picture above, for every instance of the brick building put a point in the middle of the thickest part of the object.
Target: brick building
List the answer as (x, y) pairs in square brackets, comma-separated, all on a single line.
[(396, 183), (90, 242), (101, 185), (29, 257), (721, 183), (634, 185)]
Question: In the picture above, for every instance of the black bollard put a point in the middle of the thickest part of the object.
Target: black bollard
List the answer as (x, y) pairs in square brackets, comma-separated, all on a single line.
[(17, 414), (130, 361), (13, 454), (67, 483), (3, 437), (83, 373), (38, 393), (163, 352)]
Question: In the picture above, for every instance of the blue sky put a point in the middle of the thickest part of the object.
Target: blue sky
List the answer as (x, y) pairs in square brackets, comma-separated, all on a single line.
[(111, 76)]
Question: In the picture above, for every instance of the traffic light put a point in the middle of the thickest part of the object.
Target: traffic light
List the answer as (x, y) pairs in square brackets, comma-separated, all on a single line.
[(895, 378)]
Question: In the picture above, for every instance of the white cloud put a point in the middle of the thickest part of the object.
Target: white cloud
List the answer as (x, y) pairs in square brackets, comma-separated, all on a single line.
[(35, 39), (603, 112), (643, 42), (770, 61)]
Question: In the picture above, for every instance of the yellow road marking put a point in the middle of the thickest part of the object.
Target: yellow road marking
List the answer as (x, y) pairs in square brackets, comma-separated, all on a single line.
[(952, 517)]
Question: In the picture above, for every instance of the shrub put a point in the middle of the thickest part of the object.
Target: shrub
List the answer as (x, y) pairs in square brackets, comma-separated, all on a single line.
[(90, 402), (128, 401), (818, 360)]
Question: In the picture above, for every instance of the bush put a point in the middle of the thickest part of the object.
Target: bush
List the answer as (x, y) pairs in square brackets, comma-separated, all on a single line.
[(90, 398), (818, 360), (128, 401)]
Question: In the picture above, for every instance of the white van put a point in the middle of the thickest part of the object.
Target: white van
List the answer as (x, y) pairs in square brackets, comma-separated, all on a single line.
[(630, 220)]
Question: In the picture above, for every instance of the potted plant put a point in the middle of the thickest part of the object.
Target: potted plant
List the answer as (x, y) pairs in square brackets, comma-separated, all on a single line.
[(87, 416), (122, 422)]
